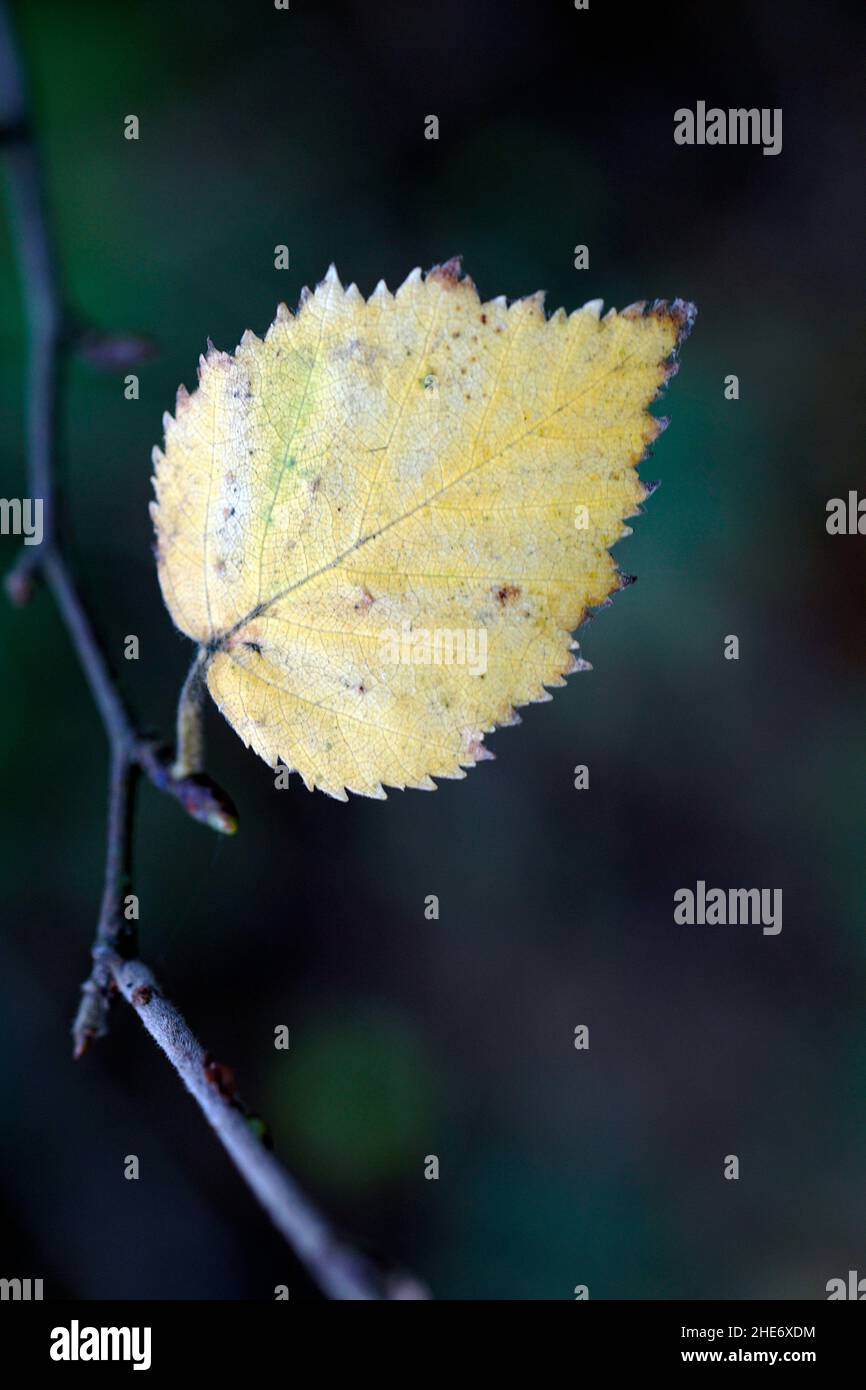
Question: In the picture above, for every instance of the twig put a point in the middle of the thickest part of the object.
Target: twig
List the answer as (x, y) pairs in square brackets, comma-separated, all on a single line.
[(115, 933), (48, 341), (340, 1271), (189, 748)]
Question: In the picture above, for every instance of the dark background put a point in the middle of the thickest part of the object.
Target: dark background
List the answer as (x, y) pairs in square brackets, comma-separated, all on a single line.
[(454, 1037)]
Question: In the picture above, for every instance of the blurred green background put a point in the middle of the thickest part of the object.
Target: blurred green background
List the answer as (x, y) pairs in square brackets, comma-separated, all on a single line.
[(455, 1037)]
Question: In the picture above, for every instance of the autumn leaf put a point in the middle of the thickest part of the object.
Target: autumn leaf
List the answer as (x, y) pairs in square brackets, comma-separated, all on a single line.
[(384, 522)]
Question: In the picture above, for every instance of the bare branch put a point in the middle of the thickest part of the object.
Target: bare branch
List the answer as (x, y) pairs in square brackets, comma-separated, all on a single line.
[(340, 1271), (115, 934)]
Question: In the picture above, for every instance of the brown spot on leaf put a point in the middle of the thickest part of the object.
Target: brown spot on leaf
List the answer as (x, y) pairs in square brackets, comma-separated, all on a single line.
[(508, 593)]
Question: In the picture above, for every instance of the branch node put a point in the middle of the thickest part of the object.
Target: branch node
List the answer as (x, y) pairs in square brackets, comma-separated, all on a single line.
[(199, 795), (112, 352), (91, 1020)]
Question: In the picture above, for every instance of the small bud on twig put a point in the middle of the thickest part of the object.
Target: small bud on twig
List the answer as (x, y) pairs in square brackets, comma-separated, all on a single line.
[(197, 793), (114, 352), (21, 581)]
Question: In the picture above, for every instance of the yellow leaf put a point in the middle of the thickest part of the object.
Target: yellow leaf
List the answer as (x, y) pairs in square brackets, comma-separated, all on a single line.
[(384, 521)]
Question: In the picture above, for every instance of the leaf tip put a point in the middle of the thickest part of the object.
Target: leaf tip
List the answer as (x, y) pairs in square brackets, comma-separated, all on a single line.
[(380, 294), (449, 273), (413, 279)]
